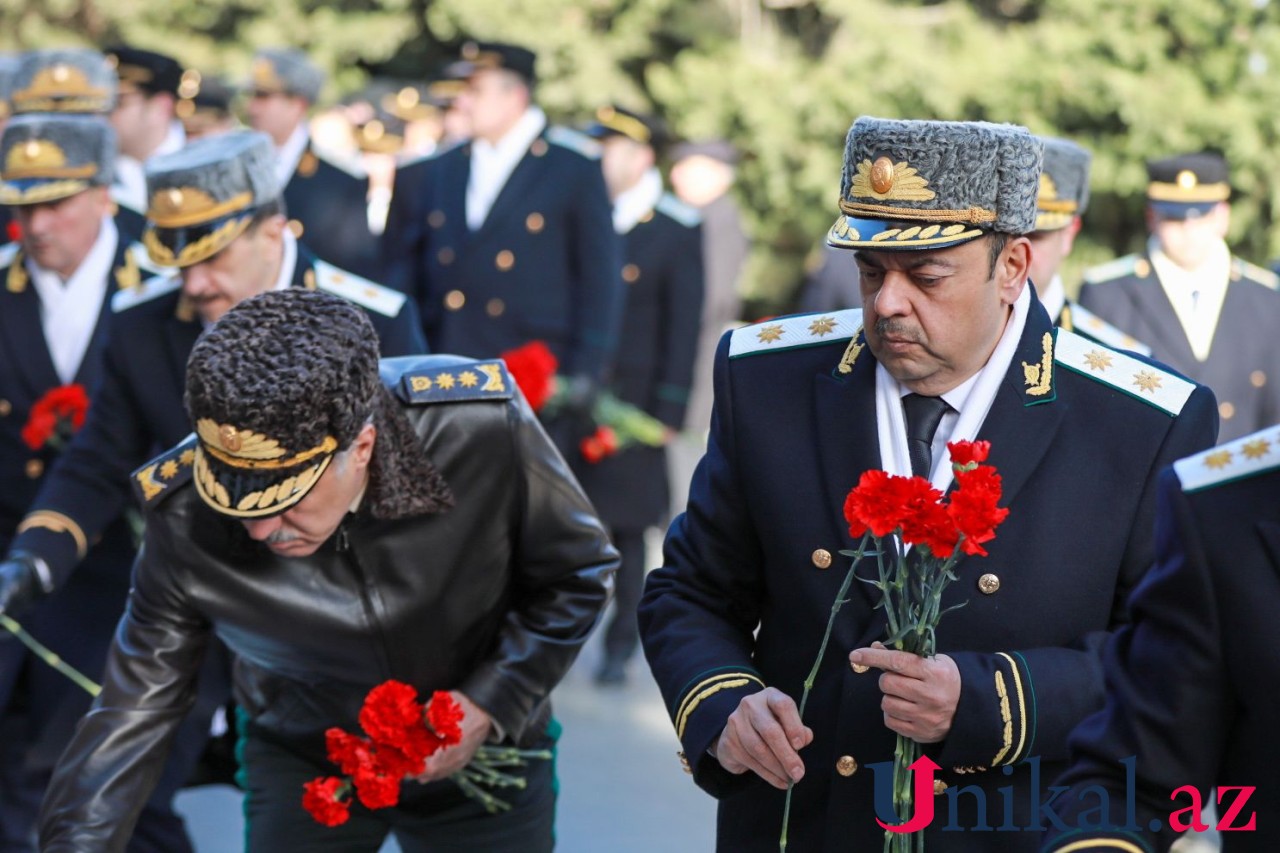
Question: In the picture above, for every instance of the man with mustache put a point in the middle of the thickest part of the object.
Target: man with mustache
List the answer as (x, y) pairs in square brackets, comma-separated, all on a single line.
[(950, 345), (341, 522)]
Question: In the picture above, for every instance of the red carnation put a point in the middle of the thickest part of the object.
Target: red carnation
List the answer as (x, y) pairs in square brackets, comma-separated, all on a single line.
[(965, 453), (929, 526), (349, 752), (14, 230), (378, 789), (323, 798), (444, 715), (973, 507), (533, 367), (394, 719), (56, 416)]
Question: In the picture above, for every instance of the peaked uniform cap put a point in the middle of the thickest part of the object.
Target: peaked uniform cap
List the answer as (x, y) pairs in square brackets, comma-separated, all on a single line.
[(910, 185), (64, 80), (1064, 183), (8, 69), (285, 71), (49, 156), (1187, 185), (145, 70), (614, 120), (203, 196), (479, 55)]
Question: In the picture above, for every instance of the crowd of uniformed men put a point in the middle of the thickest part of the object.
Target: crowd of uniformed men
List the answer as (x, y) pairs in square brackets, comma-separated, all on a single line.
[(461, 220)]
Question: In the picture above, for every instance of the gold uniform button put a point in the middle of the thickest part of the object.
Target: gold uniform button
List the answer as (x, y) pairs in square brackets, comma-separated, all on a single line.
[(988, 583), (445, 256), (1257, 379), (505, 260), (495, 307), (647, 217), (455, 299), (5, 408), (295, 228), (34, 468), (939, 787), (435, 218), (1226, 410), (538, 148), (822, 558), (846, 765), (1142, 268), (631, 273), (534, 222)]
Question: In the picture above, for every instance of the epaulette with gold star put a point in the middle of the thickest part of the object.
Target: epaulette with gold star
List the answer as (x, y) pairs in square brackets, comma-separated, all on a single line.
[(1137, 379), (451, 380), (1264, 277), (359, 290), (1089, 324), (160, 477), (1235, 460), (1119, 268), (801, 330), (573, 140), (152, 288)]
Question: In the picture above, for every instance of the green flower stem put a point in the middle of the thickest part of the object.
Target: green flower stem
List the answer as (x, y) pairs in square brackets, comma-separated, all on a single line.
[(49, 657), (813, 671), (486, 768)]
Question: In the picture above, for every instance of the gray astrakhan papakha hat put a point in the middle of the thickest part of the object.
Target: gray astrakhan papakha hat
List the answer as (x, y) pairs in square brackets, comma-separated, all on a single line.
[(64, 80), (49, 156), (204, 196), (931, 184), (1064, 184), (285, 71)]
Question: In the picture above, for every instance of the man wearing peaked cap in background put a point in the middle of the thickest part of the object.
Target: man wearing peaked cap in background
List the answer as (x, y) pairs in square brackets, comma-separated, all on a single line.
[(952, 346), (1205, 313), (519, 242), (363, 476), (144, 118), (1061, 201), (55, 171), (662, 254), (325, 198), (204, 107)]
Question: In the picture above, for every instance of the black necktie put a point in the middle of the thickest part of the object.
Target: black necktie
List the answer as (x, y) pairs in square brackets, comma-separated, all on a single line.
[(923, 416)]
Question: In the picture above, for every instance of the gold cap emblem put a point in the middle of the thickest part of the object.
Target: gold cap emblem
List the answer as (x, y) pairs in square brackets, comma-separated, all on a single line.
[(1187, 179), (229, 438), (882, 175)]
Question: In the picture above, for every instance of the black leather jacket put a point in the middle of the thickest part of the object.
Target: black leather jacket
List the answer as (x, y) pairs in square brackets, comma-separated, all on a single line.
[(493, 596)]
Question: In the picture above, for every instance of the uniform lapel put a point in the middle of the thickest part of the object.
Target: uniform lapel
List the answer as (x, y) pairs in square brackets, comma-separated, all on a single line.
[(180, 335), (1026, 412), (1269, 531), (452, 199), (23, 335), (517, 186), (125, 275), (1167, 337), (848, 441)]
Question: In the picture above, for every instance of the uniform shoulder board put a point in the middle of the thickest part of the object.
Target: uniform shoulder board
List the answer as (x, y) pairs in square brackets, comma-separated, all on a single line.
[(1089, 324), (421, 380), (152, 288), (8, 252), (142, 258), (161, 476), (1119, 268), (802, 330), (361, 291), (1138, 379), (1259, 274), (686, 214), (1235, 460), (573, 140)]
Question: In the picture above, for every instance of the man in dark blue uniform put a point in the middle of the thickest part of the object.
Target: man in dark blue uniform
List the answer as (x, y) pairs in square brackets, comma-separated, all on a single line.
[(54, 314), (1060, 204), (662, 250), (325, 199), (952, 346), (1191, 683), (214, 213), (519, 243), (1207, 314)]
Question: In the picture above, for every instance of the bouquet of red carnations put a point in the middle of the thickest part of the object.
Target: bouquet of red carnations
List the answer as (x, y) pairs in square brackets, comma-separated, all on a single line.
[(56, 417), (618, 424)]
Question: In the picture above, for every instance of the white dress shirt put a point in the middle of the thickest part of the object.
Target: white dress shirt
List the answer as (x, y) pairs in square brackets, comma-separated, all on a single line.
[(634, 204), (130, 186), (1053, 297), (970, 401), (290, 154), (1196, 295), (69, 310), (492, 165)]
